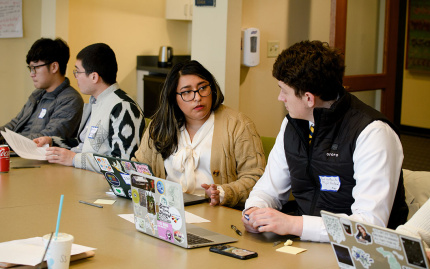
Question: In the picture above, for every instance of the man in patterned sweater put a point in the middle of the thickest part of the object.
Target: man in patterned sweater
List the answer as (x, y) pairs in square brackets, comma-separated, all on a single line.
[(112, 123)]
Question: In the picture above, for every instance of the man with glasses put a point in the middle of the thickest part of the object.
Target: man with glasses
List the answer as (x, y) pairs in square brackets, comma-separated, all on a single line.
[(54, 108), (112, 123)]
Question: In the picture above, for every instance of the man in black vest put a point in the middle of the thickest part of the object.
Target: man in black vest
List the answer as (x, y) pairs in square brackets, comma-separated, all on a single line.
[(333, 152)]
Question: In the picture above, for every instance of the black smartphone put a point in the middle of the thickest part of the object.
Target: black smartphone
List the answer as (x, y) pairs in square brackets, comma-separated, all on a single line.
[(238, 253)]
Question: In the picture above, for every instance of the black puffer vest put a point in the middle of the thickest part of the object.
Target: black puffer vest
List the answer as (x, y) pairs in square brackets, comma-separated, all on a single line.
[(330, 154)]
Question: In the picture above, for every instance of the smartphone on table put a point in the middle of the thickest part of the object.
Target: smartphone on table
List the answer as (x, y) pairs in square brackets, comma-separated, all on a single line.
[(235, 252)]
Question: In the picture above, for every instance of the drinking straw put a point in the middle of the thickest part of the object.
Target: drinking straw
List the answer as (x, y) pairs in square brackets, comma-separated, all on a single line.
[(59, 215)]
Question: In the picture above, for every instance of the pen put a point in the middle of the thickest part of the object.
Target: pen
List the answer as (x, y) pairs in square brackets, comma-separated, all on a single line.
[(19, 167), (246, 216), (99, 206), (236, 230)]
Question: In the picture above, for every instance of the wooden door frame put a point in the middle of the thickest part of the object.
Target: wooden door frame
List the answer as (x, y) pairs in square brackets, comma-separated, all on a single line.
[(392, 74)]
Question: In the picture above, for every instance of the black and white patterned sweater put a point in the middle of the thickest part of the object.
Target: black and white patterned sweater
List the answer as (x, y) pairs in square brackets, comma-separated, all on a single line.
[(115, 128)]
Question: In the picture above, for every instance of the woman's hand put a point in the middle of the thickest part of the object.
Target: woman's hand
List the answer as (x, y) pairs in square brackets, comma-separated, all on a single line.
[(212, 192)]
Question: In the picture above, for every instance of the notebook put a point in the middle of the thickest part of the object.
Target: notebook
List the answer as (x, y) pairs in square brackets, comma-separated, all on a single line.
[(361, 245), (159, 212), (117, 174)]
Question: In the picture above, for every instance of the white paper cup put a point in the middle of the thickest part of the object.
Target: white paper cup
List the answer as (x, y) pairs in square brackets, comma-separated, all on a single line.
[(58, 255)]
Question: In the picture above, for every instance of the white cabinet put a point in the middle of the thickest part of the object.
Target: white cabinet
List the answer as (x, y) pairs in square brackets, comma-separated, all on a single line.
[(179, 9)]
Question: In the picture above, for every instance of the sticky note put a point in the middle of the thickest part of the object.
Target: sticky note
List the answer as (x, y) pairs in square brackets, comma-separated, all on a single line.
[(291, 250), (104, 201)]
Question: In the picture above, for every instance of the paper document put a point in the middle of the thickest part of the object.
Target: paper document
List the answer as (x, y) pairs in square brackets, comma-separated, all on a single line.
[(24, 146), (29, 251)]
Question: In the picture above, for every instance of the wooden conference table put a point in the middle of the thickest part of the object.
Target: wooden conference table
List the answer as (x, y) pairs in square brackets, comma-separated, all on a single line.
[(29, 199)]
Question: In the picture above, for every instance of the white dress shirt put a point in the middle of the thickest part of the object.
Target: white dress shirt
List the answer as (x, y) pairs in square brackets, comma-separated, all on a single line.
[(377, 158)]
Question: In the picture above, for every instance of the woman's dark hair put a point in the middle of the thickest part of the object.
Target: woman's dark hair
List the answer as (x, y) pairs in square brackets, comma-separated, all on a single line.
[(169, 118), (311, 66)]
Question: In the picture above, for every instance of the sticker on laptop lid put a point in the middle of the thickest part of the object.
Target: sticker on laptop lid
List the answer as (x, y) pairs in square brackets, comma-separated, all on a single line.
[(160, 187), (126, 178), (112, 179), (142, 168), (150, 224), (413, 251), (347, 226), (163, 213), (119, 191), (140, 223), (334, 228), (179, 237), (176, 218), (391, 257), (104, 164), (387, 239), (172, 194), (135, 195), (150, 202), (343, 256), (361, 256), (165, 230), (117, 165), (329, 183), (363, 236), (128, 166), (142, 197)]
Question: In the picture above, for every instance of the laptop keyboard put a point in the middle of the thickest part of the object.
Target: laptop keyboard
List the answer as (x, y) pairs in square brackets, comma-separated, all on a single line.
[(195, 239)]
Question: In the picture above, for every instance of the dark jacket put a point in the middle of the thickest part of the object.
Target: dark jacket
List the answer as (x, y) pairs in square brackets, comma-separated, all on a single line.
[(63, 113), (331, 153)]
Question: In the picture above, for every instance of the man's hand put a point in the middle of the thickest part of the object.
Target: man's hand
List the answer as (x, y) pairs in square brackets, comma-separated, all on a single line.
[(60, 155), (271, 220), (245, 219), (43, 140), (212, 192)]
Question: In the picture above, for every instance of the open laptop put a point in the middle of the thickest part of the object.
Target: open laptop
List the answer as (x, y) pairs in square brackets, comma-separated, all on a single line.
[(159, 212), (362, 245), (117, 173)]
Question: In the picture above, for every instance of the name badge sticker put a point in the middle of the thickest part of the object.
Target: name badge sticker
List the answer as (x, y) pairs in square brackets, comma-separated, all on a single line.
[(330, 183), (42, 113), (93, 132)]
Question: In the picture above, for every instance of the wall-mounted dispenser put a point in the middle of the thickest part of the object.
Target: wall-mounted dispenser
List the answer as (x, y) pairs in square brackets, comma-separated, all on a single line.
[(250, 46)]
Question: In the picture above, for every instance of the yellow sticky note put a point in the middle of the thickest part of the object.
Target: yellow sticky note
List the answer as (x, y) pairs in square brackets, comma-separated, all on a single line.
[(104, 202), (290, 250)]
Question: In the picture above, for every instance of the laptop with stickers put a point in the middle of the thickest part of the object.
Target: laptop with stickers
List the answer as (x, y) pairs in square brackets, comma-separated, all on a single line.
[(159, 212), (362, 245), (117, 173)]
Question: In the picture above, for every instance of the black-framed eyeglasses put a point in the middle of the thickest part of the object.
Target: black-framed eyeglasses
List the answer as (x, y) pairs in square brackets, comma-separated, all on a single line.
[(33, 68), (76, 72), (203, 91)]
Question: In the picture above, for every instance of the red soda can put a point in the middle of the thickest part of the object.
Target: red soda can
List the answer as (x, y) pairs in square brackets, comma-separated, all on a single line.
[(4, 158)]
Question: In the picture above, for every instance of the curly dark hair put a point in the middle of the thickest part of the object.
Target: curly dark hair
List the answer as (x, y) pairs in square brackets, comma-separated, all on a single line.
[(169, 118), (311, 66)]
